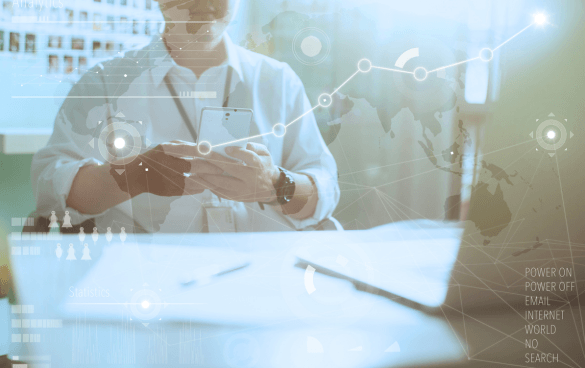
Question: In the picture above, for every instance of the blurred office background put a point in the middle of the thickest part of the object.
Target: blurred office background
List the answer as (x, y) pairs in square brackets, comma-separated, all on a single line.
[(403, 151)]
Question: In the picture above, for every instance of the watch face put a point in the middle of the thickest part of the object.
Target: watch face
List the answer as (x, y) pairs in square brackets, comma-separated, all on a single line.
[(286, 189), (289, 191)]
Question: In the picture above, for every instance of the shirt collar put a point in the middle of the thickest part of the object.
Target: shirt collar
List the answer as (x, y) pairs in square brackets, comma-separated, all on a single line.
[(161, 62)]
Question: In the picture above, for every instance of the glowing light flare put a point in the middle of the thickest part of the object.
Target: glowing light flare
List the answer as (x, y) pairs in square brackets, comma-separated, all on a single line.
[(119, 143), (551, 134), (540, 19), (145, 304)]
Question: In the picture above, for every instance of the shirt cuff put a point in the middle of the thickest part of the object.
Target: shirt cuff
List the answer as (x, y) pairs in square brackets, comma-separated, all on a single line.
[(64, 175), (327, 197)]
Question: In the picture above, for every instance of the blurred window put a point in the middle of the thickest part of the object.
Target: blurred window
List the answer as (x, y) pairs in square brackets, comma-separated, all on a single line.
[(82, 65), (70, 16), (68, 62), (53, 64), (30, 43), (55, 42), (14, 42), (77, 43)]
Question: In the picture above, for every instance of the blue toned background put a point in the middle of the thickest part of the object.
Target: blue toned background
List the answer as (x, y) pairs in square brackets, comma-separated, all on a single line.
[(376, 132)]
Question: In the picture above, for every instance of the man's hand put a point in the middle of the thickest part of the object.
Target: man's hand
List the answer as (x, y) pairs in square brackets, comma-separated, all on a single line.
[(252, 182), (164, 171)]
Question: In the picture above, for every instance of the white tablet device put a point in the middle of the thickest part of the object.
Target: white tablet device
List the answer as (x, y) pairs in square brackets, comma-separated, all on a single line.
[(221, 127)]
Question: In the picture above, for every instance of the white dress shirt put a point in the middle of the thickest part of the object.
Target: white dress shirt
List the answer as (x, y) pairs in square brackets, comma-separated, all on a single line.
[(131, 89)]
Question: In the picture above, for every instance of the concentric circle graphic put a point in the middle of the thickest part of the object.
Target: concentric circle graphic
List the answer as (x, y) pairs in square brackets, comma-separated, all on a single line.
[(119, 141), (325, 100), (311, 46), (551, 135), (241, 350), (145, 304)]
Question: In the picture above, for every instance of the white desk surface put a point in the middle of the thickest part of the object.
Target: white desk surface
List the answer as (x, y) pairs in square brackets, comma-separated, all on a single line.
[(260, 316)]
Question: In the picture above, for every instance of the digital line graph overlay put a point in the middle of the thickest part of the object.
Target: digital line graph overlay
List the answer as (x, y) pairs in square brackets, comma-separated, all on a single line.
[(364, 66), (326, 99)]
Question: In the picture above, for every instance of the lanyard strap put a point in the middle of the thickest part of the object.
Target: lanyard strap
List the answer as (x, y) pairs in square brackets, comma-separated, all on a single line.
[(181, 109)]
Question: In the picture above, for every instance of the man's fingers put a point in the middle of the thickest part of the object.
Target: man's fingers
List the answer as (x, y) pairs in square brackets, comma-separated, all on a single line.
[(202, 166), (259, 149), (218, 159), (232, 167), (249, 157), (179, 148)]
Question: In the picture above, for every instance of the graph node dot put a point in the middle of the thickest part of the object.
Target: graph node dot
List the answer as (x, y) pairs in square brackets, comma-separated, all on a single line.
[(540, 18), (420, 74), (279, 130), (486, 54), (364, 65), (204, 148), (325, 100)]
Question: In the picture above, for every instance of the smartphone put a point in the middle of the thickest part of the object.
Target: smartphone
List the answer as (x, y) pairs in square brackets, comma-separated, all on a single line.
[(222, 127)]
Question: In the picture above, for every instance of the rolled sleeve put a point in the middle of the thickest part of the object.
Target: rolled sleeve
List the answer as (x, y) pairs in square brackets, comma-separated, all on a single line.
[(59, 182), (328, 197), (55, 166)]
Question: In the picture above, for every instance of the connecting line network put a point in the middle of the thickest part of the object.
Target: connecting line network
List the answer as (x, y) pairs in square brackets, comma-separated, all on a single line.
[(364, 66)]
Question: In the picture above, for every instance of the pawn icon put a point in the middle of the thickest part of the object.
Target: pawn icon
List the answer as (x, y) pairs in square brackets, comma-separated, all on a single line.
[(71, 253), (53, 220), (85, 256), (81, 235), (123, 235), (109, 234), (67, 220), (94, 235), (59, 251)]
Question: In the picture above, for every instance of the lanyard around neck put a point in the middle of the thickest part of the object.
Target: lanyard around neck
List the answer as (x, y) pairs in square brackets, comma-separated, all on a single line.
[(179, 104)]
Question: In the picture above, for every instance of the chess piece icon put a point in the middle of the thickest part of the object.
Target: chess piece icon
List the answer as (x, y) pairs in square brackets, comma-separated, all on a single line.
[(94, 235), (53, 220), (67, 220), (85, 256), (71, 253), (123, 235), (59, 251), (81, 235), (109, 234)]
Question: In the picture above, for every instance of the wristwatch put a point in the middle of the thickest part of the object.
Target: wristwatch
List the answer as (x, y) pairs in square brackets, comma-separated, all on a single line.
[(285, 187)]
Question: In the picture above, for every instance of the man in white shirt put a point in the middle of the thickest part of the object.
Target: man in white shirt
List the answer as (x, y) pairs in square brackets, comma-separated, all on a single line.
[(158, 180)]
